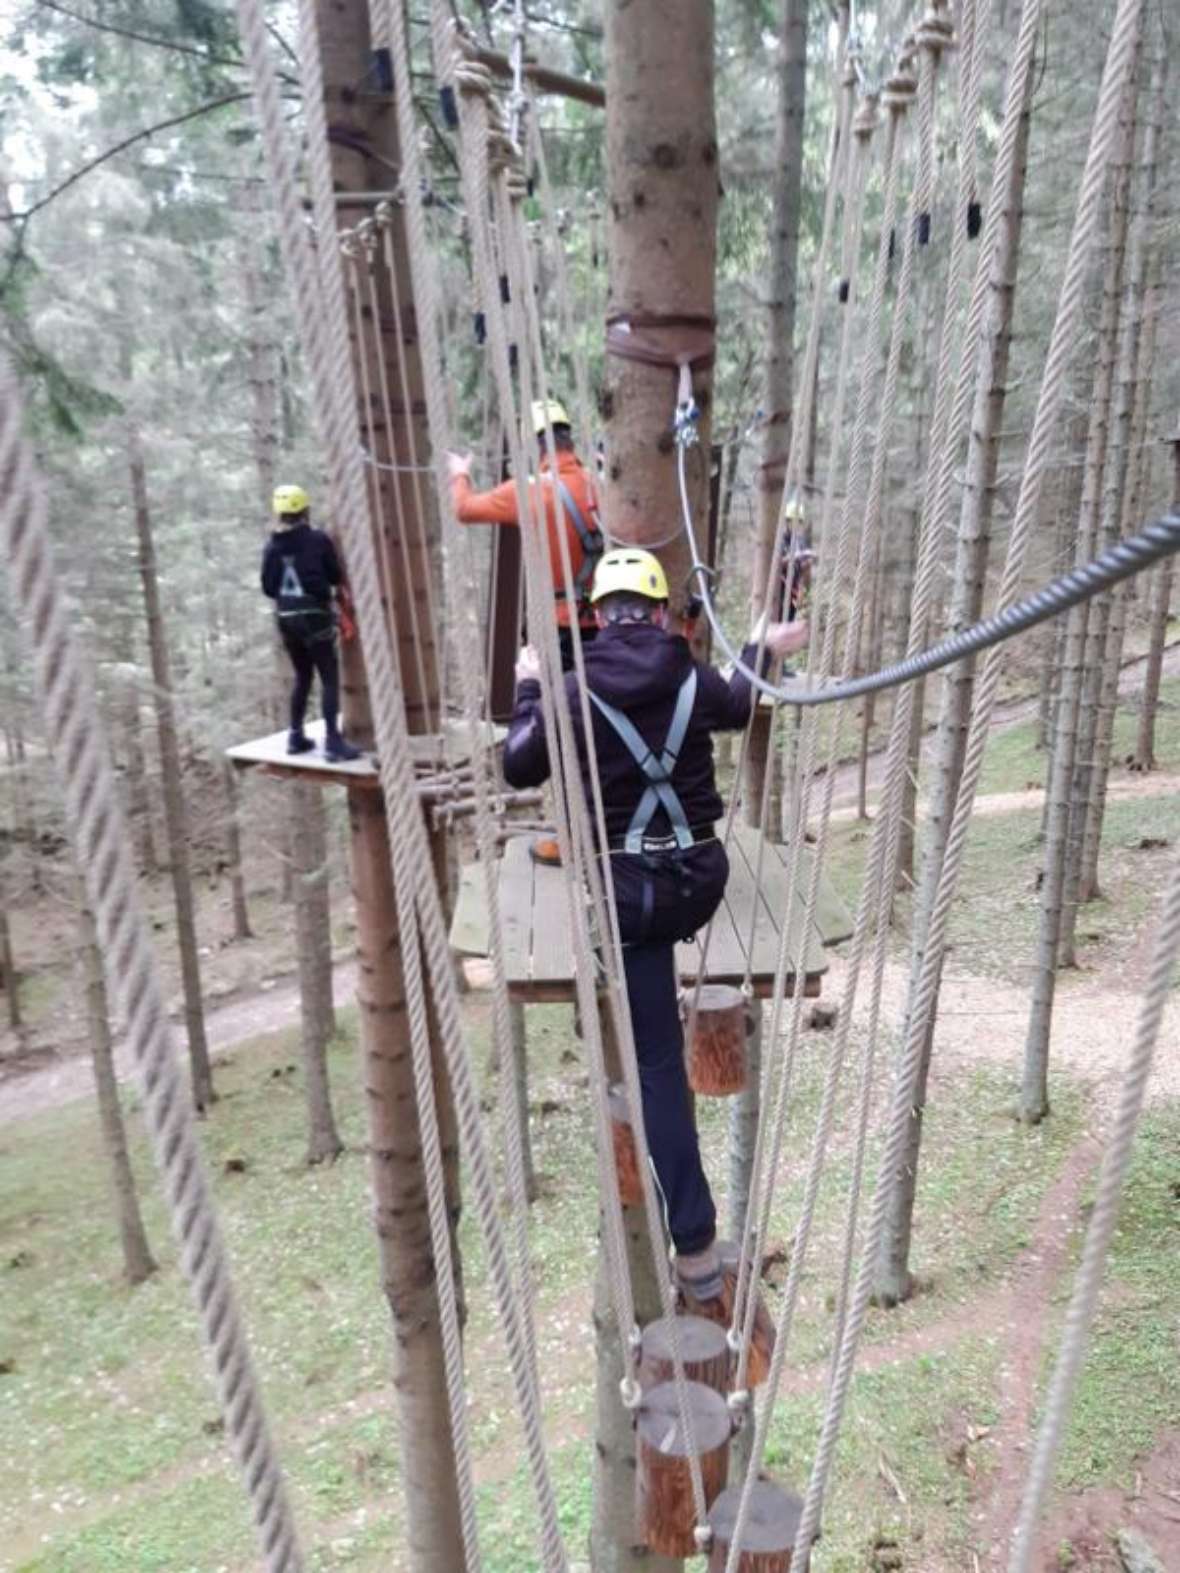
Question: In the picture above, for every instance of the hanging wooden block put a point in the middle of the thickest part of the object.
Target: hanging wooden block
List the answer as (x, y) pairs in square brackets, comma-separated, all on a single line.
[(704, 1351), (666, 1513), (762, 1336), (717, 1050), (623, 1140), (768, 1535)]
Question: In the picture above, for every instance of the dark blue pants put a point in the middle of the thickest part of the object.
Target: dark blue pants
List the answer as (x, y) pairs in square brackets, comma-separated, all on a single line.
[(662, 900)]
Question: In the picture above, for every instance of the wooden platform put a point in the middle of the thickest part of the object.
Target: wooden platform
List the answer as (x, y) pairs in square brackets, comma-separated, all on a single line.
[(431, 751), (536, 919)]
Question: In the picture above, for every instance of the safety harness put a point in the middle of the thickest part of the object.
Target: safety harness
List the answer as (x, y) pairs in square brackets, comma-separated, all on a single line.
[(591, 538), (657, 770)]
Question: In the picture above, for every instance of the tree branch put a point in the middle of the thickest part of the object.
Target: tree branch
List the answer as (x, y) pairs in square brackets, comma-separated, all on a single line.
[(143, 38), (22, 218)]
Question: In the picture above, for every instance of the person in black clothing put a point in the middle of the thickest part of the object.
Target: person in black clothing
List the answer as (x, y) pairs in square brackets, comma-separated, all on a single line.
[(300, 573), (654, 710)]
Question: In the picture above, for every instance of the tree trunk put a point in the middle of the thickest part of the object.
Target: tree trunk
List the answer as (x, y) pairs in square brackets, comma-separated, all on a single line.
[(616, 1545), (1098, 620), (313, 938), (9, 983), (520, 1070), (233, 854), (139, 801), (1124, 472), (778, 367), (138, 1262), (364, 147), (1161, 601), (663, 191), (893, 1279), (175, 808), (663, 185), (1055, 881)]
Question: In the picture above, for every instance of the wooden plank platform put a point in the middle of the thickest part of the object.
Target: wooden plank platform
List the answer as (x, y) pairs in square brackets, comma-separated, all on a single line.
[(537, 923), (269, 755)]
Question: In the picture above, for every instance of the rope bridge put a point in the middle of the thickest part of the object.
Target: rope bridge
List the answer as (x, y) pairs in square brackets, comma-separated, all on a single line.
[(336, 293)]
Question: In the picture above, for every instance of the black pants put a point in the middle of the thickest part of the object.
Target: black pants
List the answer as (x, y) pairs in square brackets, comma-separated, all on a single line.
[(310, 640), (660, 900)]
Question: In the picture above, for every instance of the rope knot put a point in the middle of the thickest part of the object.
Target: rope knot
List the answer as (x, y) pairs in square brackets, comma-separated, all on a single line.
[(935, 32), (867, 120)]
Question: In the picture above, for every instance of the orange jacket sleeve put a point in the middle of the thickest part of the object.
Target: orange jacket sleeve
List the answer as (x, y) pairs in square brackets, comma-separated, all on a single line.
[(495, 507)]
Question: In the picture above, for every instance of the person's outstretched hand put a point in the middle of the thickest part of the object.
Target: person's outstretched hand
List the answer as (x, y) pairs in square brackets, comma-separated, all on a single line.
[(458, 464), (785, 638), (528, 665)]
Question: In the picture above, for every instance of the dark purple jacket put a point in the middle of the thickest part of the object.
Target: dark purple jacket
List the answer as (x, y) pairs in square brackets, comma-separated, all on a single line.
[(638, 668)]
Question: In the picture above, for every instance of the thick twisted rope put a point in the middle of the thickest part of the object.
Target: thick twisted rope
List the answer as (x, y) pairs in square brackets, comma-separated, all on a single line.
[(1063, 340), (101, 842), (325, 324)]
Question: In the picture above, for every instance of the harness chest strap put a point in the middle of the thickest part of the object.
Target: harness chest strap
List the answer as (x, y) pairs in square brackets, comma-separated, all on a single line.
[(657, 768)]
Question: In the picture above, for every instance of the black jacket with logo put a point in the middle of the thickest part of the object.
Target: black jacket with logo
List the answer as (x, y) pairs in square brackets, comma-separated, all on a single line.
[(637, 668), (300, 569)]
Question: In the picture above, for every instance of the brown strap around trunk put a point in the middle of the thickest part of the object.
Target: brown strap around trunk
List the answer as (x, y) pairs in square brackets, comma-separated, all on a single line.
[(662, 339)]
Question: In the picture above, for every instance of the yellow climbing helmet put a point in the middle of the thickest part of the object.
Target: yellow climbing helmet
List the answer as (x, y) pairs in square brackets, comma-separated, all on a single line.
[(290, 499), (629, 569), (549, 412), (793, 511)]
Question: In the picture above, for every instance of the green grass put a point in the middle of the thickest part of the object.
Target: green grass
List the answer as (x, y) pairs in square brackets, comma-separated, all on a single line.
[(107, 1421), (1129, 1389)]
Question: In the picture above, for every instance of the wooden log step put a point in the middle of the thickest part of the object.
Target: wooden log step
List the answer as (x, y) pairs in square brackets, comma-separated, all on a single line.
[(717, 1049), (704, 1351), (623, 1141), (666, 1514), (768, 1535)]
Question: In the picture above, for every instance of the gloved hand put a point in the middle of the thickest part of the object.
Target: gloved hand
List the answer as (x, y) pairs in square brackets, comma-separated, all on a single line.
[(785, 638), (528, 665), (458, 464), (345, 614)]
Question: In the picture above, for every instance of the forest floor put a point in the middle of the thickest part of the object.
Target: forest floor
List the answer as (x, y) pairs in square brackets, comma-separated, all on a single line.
[(108, 1443)]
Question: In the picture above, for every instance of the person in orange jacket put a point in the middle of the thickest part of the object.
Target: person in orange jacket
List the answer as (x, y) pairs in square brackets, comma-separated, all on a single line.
[(569, 495)]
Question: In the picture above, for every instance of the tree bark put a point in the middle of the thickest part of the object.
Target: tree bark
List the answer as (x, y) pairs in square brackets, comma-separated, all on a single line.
[(1124, 474), (1098, 620), (139, 801), (313, 938), (663, 191), (1161, 601), (175, 807), (778, 367), (138, 1262), (616, 1543), (9, 982), (893, 1279), (520, 1070), (233, 854), (1034, 1091)]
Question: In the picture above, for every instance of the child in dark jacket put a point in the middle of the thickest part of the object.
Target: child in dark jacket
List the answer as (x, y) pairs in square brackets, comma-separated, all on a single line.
[(653, 712)]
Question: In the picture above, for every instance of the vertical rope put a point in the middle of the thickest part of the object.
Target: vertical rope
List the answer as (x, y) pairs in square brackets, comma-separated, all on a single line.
[(101, 844)]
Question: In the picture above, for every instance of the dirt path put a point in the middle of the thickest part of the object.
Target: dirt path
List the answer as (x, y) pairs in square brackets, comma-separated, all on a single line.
[(65, 1079)]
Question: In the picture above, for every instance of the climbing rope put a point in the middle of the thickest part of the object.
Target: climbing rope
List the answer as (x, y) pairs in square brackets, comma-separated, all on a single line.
[(74, 731), (1063, 341)]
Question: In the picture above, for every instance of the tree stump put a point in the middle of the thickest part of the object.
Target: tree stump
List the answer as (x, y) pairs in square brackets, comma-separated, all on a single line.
[(703, 1349), (717, 1051), (664, 1482), (623, 1140), (768, 1536), (762, 1336)]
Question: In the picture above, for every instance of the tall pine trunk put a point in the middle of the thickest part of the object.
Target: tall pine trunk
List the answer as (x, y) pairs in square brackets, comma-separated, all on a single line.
[(175, 807), (1056, 879), (1124, 474), (138, 1262), (233, 854), (1161, 601), (9, 982), (893, 1278), (313, 937)]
